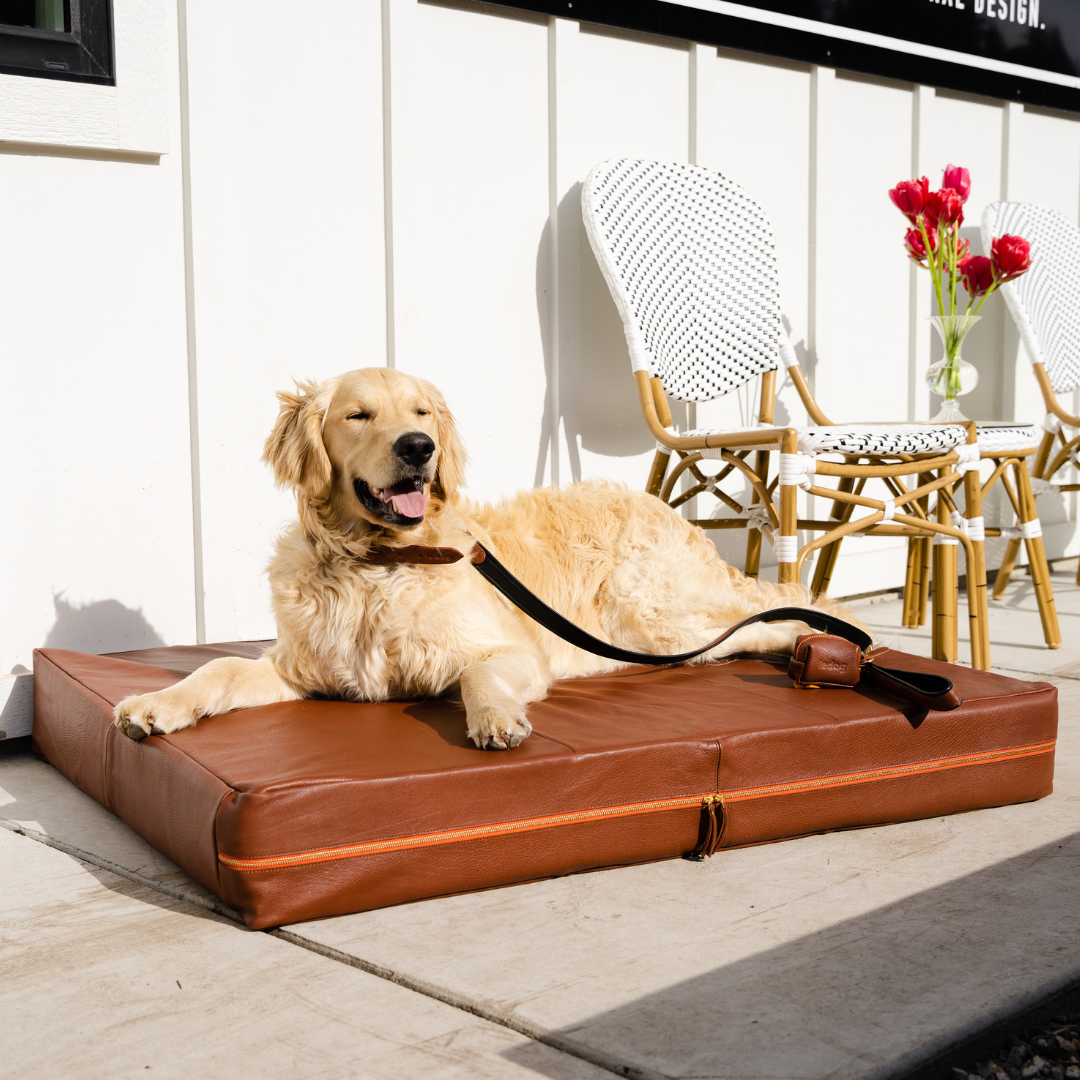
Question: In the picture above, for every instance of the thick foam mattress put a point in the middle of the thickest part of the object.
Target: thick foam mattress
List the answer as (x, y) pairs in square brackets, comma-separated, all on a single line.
[(316, 808)]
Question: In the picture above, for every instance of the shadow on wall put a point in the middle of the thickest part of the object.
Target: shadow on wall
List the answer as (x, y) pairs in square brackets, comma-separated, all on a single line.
[(99, 626), (591, 393)]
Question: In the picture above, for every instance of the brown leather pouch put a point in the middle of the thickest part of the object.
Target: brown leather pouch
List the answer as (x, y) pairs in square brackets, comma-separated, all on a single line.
[(825, 660), (831, 662)]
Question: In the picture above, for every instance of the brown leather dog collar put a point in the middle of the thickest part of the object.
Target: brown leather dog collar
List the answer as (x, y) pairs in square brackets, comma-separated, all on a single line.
[(421, 555)]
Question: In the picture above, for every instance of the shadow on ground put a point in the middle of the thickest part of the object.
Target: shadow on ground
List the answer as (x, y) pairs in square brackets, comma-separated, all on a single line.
[(946, 963)]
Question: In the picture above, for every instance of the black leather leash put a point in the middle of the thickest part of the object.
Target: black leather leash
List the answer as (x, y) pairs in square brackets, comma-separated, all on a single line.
[(930, 691)]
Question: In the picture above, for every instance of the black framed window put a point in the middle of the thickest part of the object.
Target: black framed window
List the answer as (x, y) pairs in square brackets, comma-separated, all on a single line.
[(57, 39)]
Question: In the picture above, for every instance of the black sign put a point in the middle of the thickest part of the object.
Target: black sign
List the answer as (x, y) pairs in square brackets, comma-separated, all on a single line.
[(1019, 50)]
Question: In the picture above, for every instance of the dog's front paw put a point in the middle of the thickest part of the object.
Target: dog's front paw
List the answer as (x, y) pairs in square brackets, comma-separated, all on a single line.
[(153, 714), (498, 729)]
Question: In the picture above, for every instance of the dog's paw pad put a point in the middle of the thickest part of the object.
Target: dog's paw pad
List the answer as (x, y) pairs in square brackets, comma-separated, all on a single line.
[(501, 732), (131, 728)]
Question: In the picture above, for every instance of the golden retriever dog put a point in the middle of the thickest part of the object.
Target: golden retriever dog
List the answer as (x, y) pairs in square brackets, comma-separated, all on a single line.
[(374, 459)]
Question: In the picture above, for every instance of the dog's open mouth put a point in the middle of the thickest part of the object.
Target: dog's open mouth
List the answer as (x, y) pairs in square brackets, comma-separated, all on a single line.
[(402, 503)]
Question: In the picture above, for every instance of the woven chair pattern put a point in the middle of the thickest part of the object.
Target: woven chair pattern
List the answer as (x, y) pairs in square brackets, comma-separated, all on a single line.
[(1044, 302), (876, 440), (1002, 438), (689, 259)]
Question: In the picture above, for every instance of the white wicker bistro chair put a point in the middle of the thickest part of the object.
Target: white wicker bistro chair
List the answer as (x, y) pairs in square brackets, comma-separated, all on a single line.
[(1045, 304), (690, 262)]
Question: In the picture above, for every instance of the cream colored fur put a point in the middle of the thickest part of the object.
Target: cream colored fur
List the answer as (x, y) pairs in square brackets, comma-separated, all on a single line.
[(619, 563)]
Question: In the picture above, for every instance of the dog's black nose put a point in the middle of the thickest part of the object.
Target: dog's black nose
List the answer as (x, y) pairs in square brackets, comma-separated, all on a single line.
[(416, 448)]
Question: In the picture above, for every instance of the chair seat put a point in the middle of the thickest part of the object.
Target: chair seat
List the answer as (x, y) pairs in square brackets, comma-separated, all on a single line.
[(888, 439), (872, 439), (1001, 438)]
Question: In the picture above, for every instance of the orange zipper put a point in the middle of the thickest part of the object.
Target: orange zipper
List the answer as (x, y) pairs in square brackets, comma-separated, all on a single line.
[(708, 801), (989, 757), (452, 836)]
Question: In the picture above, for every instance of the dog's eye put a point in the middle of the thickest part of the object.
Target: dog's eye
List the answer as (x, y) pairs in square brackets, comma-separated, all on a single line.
[(359, 416), (421, 412)]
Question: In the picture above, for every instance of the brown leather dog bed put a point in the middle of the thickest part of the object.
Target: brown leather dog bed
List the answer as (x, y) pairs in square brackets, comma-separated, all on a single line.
[(315, 808)]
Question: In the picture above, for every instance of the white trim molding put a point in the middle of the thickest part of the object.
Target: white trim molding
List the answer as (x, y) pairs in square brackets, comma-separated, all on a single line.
[(131, 116)]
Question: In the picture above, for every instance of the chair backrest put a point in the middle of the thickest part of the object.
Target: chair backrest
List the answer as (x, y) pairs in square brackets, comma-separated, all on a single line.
[(1045, 302), (691, 265)]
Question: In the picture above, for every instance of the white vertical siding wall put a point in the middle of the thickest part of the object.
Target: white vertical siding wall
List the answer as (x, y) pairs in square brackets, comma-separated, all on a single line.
[(96, 531), (399, 183)]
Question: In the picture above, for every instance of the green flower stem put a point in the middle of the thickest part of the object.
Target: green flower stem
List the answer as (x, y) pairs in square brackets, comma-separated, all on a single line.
[(935, 273), (952, 268), (982, 299)]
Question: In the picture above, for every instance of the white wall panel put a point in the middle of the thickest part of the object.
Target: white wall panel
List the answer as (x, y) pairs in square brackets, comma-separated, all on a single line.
[(287, 223), (480, 155), (631, 99), (95, 407), (96, 546), (862, 293)]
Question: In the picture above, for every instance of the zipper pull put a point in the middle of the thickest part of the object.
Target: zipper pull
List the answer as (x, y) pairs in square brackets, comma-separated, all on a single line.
[(710, 804)]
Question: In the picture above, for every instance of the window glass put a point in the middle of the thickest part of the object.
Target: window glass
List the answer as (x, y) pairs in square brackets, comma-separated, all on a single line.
[(35, 14)]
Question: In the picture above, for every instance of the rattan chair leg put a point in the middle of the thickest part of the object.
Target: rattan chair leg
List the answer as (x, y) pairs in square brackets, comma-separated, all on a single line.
[(752, 565), (923, 553), (916, 582), (924, 591), (1044, 592), (787, 542), (978, 604), (658, 471), (1008, 564), (912, 583), (944, 635), (826, 563), (1038, 566)]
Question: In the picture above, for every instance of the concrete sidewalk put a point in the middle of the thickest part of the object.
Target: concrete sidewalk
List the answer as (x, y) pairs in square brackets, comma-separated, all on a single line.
[(851, 955)]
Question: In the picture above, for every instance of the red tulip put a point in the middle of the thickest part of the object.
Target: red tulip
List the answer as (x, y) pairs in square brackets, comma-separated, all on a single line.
[(913, 243), (963, 250), (959, 179), (977, 273), (1011, 256), (943, 208), (909, 197)]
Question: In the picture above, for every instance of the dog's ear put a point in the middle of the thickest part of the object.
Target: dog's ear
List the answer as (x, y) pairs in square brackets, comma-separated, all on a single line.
[(450, 473), (295, 449)]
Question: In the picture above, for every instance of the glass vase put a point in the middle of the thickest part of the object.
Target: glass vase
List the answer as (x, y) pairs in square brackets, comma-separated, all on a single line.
[(952, 376)]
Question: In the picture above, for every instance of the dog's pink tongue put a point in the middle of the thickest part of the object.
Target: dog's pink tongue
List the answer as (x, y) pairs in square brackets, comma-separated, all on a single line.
[(410, 504)]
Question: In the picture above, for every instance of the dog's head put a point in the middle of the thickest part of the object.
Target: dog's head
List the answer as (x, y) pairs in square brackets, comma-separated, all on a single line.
[(373, 444)]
